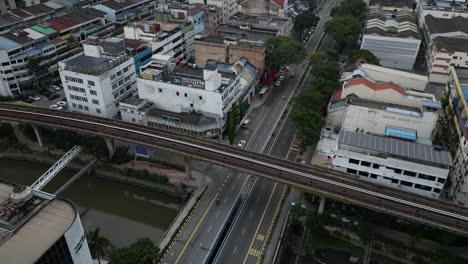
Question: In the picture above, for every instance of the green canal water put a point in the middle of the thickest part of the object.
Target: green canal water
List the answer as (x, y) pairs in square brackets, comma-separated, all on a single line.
[(123, 212)]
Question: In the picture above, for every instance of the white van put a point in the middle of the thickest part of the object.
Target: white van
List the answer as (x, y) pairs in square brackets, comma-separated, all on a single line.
[(245, 123)]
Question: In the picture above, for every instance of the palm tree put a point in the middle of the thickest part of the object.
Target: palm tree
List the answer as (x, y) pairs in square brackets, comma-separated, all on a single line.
[(98, 245)]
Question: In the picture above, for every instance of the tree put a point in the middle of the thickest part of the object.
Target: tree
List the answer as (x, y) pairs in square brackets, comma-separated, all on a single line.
[(320, 57), (231, 126), (98, 246), (305, 20), (33, 67), (141, 252), (121, 155), (355, 8), (283, 50), (307, 123), (344, 29), (365, 55), (329, 71)]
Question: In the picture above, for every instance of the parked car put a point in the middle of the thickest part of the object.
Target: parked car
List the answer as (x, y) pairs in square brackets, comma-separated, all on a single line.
[(45, 92), (281, 77), (28, 100), (53, 96), (56, 107), (34, 97), (241, 143), (62, 103), (245, 123), (292, 75), (345, 220), (55, 87), (277, 83)]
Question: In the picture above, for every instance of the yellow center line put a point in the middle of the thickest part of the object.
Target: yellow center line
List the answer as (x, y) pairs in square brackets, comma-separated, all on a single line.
[(290, 146), (259, 224)]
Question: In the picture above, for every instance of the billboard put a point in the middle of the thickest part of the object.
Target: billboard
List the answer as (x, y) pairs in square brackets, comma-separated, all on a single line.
[(185, 81), (141, 151)]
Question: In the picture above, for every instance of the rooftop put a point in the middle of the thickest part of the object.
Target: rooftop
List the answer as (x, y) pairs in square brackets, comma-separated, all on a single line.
[(451, 44), (392, 3), (71, 20), (444, 5), (393, 24), (445, 25), (462, 75), (28, 231), (258, 19), (402, 149), (121, 5), (92, 65), (247, 32), (187, 118), (384, 106), (375, 86)]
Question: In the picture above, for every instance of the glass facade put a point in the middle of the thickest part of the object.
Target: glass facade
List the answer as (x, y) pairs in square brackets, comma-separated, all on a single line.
[(57, 254)]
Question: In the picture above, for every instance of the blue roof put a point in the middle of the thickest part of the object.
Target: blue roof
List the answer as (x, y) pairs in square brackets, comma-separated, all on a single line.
[(431, 104), (28, 53), (400, 133), (6, 43)]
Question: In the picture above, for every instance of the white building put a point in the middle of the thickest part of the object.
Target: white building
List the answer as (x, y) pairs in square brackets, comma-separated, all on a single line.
[(446, 40), (392, 37), (187, 99), (441, 9), (39, 228), (228, 7), (353, 113), (388, 92), (403, 164), (172, 39), (96, 80), (122, 11)]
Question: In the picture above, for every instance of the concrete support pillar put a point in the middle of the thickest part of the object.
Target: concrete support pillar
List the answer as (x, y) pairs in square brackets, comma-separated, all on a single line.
[(321, 205), (22, 138), (37, 131), (188, 168), (110, 147)]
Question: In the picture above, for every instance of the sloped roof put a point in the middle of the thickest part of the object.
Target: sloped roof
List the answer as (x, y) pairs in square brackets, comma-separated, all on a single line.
[(444, 25), (375, 86), (451, 44)]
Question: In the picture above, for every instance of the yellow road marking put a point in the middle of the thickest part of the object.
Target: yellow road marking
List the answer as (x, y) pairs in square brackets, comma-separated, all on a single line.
[(259, 224), (260, 237), (292, 143), (254, 252)]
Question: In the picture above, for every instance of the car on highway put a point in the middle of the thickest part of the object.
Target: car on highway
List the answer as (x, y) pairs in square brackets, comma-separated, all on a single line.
[(242, 144), (56, 107), (292, 75), (34, 98), (62, 103), (281, 77), (28, 100), (277, 83)]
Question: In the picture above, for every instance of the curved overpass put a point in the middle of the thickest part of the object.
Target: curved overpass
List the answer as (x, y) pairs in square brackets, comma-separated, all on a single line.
[(434, 212)]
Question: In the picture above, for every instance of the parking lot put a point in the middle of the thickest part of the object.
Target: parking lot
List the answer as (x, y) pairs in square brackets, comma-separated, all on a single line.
[(45, 102)]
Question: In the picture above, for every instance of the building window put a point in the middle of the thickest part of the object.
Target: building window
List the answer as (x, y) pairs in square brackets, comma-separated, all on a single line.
[(80, 107), (177, 93), (76, 89), (363, 173), (185, 94), (116, 95), (73, 79), (373, 176), (125, 69), (422, 187), (93, 92), (365, 164), (409, 173), (375, 166), (119, 73), (91, 83), (436, 190), (96, 102), (354, 161), (78, 98), (191, 105), (351, 171), (200, 97), (426, 177), (160, 90), (98, 110), (441, 180), (74, 105), (405, 183), (86, 108)]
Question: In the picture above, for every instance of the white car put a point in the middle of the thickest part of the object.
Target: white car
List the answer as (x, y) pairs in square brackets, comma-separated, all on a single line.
[(62, 103), (281, 78), (345, 220), (56, 107), (55, 87), (278, 83), (34, 97), (241, 143)]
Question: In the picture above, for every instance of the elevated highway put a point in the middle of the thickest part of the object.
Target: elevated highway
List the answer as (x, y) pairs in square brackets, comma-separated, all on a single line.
[(333, 184)]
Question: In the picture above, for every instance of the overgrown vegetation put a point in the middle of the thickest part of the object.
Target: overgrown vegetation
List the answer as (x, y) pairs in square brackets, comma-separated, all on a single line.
[(364, 54), (65, 140), (347, 21), (309, 110), (282, 51), (305, 20)]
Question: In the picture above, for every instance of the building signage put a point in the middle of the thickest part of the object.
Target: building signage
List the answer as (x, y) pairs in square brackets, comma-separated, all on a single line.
[(185, 81)]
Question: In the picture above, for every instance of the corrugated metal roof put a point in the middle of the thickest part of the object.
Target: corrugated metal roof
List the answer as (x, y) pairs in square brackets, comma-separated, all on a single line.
[(431, 104), (44, 29), (396, 147), (6, 43), (401, 133)]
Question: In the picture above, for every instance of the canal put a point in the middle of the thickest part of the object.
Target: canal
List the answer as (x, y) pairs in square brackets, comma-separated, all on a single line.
[(123, 212)]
